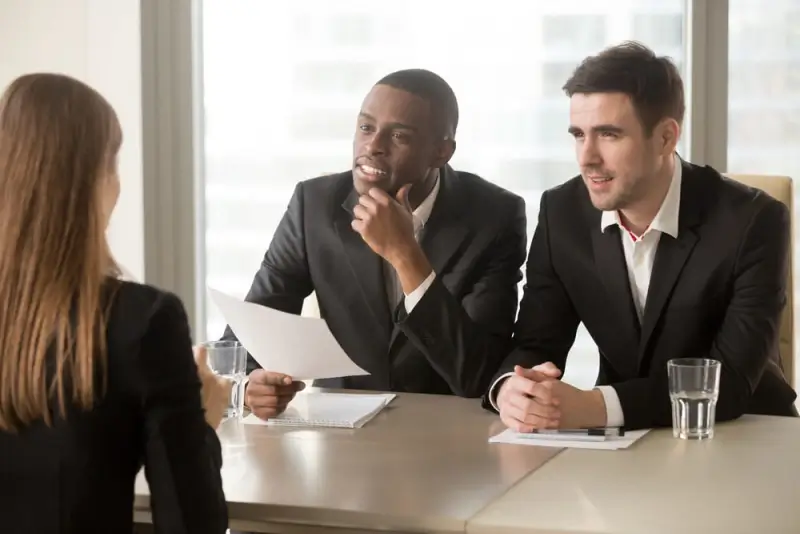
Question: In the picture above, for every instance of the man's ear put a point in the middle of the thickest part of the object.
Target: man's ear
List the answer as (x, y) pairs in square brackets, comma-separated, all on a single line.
[(444, 152), (668, 132)]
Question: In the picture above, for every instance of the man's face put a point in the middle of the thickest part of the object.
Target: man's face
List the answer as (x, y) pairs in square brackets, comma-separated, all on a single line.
[(617, 160), (395, 141)]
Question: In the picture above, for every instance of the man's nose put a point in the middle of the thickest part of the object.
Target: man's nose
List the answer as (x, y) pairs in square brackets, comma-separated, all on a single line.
[(588, 154), (376, 145)]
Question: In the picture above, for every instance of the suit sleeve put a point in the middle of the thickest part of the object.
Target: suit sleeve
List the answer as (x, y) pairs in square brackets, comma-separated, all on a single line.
[(283, 281), (547, 322), (463, 340), (182, 453), (749, 331)]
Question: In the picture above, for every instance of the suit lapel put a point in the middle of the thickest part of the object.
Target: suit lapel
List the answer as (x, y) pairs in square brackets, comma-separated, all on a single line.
[(445, 231), (612, 269), (367, 267), (672, 254)]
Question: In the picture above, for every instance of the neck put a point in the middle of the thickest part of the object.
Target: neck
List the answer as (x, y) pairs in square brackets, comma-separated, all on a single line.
[(639, 216), (421, 190)]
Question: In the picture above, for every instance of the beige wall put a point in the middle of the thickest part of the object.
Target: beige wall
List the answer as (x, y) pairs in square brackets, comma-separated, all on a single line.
[(99, 42)]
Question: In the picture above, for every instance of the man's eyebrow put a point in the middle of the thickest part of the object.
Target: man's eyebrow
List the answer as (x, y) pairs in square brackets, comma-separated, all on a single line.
[(391, 125), (600, 128), (606, 128)]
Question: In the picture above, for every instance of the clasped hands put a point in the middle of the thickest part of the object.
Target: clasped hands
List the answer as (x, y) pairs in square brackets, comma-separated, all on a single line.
[(535, 399)]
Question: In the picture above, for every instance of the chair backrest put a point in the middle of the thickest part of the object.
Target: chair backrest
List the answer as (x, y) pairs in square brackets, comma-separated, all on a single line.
[(781, 188)]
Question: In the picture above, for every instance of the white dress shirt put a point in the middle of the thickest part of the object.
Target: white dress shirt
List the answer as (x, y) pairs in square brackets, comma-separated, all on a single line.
[(640, 253), (394, 290)]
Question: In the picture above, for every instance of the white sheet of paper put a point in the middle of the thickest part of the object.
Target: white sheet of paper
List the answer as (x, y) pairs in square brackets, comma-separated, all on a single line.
[(336, 410), (611, 443), (301, 347)]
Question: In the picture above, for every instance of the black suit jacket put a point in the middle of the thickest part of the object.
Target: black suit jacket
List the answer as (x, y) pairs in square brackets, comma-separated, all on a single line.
[(456, 336), (77, 476), (717, 291)]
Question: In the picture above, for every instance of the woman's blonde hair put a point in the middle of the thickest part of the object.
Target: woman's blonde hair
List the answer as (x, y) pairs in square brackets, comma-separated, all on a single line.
[(59, 140)]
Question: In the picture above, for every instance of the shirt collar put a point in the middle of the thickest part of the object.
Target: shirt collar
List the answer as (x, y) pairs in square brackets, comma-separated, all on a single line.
[(666, 220), (423, 211)]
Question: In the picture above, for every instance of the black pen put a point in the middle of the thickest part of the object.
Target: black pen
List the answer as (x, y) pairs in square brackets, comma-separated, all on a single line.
[(593, 434), (598, 431)]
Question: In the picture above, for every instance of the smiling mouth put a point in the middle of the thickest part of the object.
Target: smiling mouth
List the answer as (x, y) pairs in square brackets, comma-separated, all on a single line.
[(600, 179), (372, 171)]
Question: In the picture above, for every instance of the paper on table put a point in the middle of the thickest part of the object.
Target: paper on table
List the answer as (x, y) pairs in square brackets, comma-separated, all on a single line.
[(301, 347), (610, 443), (342, 410)]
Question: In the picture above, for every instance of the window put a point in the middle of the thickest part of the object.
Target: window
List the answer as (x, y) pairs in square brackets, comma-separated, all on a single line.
[(764, 95), (283, 82), (764, 90)]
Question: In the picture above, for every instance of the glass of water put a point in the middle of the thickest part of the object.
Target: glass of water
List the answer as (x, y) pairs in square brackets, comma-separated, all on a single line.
[(693, 390), (229, 359)]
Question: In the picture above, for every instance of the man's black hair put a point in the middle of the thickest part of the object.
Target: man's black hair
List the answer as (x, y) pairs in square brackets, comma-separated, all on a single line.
[(434, 89), (652, 82)]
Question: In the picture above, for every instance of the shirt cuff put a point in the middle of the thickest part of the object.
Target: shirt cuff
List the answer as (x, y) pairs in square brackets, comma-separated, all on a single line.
[(614, 415), (493, 393), (413, 298)]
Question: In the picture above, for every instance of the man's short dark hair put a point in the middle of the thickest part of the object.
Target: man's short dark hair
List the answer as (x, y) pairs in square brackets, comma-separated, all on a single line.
[(652, 82), (434, 89)]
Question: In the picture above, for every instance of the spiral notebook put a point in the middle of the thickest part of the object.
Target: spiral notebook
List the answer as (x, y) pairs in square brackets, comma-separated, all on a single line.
[(336, 410)]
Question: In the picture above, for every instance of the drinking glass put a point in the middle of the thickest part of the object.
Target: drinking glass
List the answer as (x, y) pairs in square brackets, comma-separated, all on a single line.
[(693, 390), (229, 360)]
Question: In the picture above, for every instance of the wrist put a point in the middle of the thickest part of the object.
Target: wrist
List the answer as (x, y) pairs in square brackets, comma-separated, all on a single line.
[(500, 390), (412, 268), (599, 407), (597, 413), (406, 256)]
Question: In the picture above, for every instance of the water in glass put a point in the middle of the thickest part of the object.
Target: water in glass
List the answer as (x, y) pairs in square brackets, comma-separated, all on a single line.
[(693, 390), (228, 359), (693, 414), (236, 405)]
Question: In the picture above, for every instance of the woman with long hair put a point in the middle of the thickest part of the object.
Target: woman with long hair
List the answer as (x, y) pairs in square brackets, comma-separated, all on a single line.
[(97, 376)]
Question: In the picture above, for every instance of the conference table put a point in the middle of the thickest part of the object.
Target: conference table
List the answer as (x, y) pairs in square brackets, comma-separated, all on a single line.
[(424, 464)]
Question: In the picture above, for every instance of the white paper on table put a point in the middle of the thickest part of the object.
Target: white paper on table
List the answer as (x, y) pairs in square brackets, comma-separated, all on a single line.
[(336, 410), (550, 440), (301, 347)]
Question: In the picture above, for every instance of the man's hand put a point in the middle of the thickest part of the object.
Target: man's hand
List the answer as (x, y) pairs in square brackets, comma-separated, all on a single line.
[(535, 399), (268, 393), (525, 400), (387, 225)]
